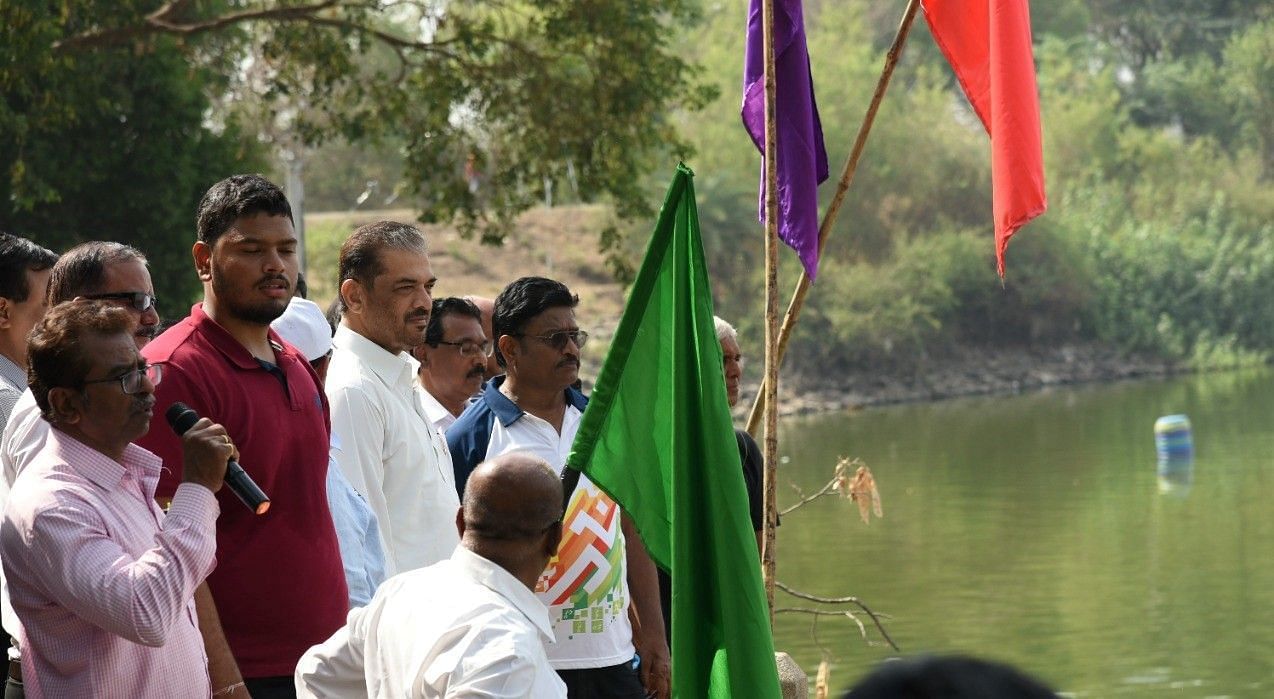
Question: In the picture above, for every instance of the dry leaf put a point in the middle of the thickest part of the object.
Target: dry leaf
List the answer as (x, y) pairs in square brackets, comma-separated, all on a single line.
[(862, 489)]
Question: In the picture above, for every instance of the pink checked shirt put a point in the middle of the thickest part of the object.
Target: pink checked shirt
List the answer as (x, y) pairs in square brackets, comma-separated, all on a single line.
[(102, 580)]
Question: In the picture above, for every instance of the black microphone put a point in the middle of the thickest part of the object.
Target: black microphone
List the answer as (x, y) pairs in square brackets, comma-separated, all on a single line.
[(182, 417)]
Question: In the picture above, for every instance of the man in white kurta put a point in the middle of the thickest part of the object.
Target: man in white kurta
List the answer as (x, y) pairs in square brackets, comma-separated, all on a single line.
[(389, 451), (469, 626)]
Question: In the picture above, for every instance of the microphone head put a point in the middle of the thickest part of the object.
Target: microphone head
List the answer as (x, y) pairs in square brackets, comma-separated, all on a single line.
[(181, 417)]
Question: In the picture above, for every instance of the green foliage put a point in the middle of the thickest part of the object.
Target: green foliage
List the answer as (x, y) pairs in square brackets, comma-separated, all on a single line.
[(1158, 237), (558, 91), (109, 145)]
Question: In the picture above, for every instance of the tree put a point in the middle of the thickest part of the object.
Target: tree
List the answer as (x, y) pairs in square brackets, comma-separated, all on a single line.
[(108, 145), (533, 88)]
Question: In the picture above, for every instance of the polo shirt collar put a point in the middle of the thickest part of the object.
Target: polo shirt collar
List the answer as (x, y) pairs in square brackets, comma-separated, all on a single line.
[(508, 412), (500, 581), (393, 369), (224, 342), (101, 469)]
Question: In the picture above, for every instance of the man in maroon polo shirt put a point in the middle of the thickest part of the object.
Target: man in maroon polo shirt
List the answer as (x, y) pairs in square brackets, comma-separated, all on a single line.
[(279, 585)]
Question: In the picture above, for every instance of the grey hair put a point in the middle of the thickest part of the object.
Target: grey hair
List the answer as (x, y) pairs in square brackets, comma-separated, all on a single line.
[(724, 330)]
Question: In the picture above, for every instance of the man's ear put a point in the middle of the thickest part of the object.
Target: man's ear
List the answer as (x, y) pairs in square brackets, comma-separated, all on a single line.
[(66, 405), (421, 355), (354, 296), (6, 310), (553, 539), (508, 345), (202, 253), (460, 522)]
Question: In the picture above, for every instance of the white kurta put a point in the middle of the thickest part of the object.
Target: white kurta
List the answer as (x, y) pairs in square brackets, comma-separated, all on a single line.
[(391, 453), (464, 627)]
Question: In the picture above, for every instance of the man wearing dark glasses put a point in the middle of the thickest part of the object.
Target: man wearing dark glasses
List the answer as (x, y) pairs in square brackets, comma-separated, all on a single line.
[(117, 273), (598, 572)]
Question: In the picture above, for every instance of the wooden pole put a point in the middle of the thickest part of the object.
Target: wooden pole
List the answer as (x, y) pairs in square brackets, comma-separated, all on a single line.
[(771, 448), (763, 396)]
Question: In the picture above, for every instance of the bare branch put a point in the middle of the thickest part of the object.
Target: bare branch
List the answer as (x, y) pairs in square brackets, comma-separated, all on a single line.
[(875, 617), (161, 21), (805, 500)]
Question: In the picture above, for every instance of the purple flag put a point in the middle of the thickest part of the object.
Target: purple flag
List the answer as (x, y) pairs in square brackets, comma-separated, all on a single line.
[(802, 158)]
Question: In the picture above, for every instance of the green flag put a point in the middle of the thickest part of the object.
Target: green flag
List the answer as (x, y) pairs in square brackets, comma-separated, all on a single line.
[(657, 438)]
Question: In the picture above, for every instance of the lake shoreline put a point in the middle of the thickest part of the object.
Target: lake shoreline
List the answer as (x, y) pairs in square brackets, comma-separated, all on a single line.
[(964, 372)]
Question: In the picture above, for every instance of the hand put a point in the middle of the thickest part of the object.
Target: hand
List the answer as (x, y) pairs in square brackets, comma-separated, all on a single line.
[(655, 670), (205, 450)]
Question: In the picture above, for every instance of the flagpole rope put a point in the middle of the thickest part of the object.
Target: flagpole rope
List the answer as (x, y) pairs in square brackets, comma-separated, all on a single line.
[(833, 210), (771, 310)]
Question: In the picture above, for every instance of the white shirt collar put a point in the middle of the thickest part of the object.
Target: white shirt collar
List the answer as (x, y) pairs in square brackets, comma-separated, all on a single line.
[(393, 369), (502, 582), (438, 415)]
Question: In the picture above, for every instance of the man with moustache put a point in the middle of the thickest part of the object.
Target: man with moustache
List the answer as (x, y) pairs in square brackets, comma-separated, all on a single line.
[(389, 451), (453, 360), (102, 580), (279, 585), (116, 274), (486, 307), (601, 561)]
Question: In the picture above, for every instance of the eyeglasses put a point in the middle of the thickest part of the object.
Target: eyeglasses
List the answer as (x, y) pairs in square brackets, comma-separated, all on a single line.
[(469, 348), (139, 300), (131, 382), (557, 340)]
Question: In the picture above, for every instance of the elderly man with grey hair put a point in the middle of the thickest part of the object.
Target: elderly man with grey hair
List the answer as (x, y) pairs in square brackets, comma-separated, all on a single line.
[(468, 626)]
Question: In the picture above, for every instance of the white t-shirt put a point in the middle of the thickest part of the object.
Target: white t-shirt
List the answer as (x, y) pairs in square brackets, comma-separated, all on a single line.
[(585, 586)]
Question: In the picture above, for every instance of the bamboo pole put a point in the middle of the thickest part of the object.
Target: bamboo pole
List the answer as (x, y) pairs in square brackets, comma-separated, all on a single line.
[(771, 309), (763, 398)]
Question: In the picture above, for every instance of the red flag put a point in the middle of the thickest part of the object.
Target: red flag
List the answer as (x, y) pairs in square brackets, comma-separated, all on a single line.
[(988, 44)]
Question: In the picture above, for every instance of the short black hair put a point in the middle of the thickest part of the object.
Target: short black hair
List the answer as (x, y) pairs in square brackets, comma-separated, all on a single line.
[(450, 306), (53, 348), (360, 253), (81, 271), (955, 677), (17, 257), (521, 301), (234, 198)]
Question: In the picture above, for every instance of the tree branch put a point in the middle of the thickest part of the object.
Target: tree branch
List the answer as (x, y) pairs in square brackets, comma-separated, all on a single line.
[(875, 618), (162, 21)]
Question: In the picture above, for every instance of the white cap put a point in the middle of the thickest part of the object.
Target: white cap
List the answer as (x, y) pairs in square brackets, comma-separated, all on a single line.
[(304, 326)]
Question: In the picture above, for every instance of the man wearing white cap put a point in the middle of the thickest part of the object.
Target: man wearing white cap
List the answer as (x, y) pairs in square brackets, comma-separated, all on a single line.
[(304, 326)]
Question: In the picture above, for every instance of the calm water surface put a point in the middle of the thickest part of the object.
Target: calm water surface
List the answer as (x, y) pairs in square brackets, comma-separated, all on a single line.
[(1033, 529)]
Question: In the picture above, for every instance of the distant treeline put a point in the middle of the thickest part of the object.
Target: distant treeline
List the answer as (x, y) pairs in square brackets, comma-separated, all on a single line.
[(1159, 148)]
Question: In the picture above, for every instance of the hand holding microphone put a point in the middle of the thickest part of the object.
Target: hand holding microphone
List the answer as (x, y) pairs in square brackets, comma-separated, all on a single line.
[(209, 457)]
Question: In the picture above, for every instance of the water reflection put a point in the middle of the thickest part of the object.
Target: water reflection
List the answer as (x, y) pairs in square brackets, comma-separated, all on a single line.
[(1029, 529), (1176, 477)]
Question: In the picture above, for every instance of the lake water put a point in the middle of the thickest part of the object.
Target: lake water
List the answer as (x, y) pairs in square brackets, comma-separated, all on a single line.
[(1033, 529)]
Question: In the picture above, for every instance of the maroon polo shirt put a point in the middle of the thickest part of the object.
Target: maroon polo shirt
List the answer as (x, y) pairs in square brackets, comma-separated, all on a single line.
[(279, 584)]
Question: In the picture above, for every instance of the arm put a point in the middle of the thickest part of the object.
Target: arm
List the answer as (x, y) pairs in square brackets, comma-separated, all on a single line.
[(334, 668), (83, 569), (360, 427), (648, 634), (223, 671)]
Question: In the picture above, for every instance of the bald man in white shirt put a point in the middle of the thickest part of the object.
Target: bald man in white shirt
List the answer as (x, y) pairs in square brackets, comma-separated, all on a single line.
[(469, 626)]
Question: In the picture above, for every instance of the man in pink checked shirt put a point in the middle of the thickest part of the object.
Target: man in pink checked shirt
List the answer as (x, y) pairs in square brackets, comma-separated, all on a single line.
[(102, 580)]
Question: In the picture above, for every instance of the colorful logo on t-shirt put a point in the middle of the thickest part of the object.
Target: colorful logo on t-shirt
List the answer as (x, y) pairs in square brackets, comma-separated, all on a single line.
[(584, 581)]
